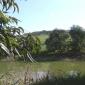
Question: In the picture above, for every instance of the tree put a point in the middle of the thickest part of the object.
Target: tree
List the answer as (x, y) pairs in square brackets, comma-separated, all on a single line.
[(8, 4), (37, 46), (8, 39), (78, 38), (58, 41), (28, 44)]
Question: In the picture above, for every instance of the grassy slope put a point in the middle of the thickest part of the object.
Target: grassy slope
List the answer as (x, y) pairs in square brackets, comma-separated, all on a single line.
[(43, 38)]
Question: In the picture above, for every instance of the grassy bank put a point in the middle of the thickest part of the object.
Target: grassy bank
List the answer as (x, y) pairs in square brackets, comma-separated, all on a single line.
[(20, 72), (57, 67)]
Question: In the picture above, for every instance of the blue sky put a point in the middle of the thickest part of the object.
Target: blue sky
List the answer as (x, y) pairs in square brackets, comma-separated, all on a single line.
[(39, 15)]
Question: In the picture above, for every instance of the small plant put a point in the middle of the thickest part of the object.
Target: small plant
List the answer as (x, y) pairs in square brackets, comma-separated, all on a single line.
[(72, 74)]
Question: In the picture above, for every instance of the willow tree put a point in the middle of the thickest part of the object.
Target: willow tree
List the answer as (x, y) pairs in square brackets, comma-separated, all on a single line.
[(8, 4), (28, 45), (7, 31), (9, 34)]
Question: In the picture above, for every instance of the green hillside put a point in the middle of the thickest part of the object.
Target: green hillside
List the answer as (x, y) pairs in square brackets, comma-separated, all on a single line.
[(42, 35), (42, 38)]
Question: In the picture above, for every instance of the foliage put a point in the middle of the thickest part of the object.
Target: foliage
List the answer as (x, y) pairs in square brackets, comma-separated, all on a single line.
[(29, 44), (8, 39), (8, 4), (58, 41), (78, 38), (10, 35), (14, 43)]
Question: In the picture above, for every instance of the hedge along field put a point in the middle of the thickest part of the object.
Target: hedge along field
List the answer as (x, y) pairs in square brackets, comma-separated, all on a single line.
[(58, 68)]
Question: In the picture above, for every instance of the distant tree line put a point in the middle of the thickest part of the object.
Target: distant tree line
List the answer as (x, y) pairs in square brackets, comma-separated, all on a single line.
[(41, 32), (14, 43), (62, 41)]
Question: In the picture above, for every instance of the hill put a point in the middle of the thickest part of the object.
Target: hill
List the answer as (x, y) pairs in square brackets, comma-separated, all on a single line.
[(42, 35)]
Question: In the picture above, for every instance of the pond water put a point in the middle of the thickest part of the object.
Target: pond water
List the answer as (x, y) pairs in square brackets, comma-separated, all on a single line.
[(27, 76), (40, 75)]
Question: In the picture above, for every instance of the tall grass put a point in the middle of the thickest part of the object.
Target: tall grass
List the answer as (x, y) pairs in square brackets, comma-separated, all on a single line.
[(20, 73), (49, 79)]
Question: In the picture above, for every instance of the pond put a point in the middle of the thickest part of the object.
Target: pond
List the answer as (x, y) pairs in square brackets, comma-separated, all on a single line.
[(25, 77), (11, 72)]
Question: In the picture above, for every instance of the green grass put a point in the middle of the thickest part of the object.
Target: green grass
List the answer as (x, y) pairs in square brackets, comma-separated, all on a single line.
[(43, 37), (58, 68), (16, 70)]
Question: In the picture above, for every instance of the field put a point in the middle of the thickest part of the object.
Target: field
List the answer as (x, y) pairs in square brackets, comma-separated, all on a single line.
[(59, 68), (42, 38)]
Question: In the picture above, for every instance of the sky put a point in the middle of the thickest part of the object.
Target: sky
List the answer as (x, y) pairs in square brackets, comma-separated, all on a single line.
[(37, 15)]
